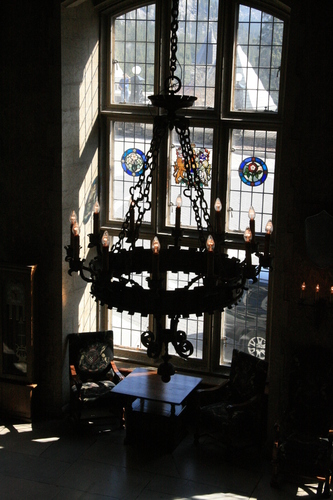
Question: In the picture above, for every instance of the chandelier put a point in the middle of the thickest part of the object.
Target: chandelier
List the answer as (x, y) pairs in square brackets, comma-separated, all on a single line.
[(218, 281)]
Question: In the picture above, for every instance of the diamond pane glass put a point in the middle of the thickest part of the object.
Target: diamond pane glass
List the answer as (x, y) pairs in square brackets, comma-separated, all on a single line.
[(125, 136), (197, 44), (244, 326), (257, 61), (202, 141), (127, 328), (192, 326), (247, 145), (132, 61)]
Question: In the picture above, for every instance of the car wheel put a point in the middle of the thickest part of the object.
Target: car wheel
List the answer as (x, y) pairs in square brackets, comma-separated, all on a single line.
[(256, 346)]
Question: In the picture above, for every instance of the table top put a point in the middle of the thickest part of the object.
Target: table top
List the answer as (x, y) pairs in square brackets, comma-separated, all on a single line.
[(147, 384)]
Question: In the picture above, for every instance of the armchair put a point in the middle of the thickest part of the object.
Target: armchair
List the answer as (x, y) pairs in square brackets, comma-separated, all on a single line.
[(233, 411), (93, 374), (303, 436)]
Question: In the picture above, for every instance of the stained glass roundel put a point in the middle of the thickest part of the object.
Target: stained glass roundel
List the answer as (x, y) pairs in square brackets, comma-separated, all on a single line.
[(253, 171), (204, 168), (133, 162)]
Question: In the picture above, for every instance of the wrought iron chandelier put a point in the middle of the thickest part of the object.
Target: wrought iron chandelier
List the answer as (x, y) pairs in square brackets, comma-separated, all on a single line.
[(218, 281)]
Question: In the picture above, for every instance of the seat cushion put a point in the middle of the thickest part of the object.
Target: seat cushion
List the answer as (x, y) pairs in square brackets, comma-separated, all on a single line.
[(94, 361), (215, 415), (91, 391)]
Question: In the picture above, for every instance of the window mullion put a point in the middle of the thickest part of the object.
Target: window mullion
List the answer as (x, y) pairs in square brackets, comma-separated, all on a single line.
[(226, 47)]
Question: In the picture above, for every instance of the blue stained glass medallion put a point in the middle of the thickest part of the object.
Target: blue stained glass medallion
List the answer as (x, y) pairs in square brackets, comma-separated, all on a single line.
[(253, 171), (133, 162)]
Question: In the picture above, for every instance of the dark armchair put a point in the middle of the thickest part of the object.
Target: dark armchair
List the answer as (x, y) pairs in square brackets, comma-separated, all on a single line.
[(303, 441), (93, 374), (233, 412)]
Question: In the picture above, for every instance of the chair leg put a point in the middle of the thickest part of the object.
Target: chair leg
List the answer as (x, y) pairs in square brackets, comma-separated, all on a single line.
[(122, 419), (327, 492), (319, 488), (324, 482), (275, 465)]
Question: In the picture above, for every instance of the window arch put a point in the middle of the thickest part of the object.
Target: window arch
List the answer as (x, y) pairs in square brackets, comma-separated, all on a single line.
[(231, 56)]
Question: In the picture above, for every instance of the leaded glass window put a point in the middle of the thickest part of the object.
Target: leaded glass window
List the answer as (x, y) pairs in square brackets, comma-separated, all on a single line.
[(202, 143), (128, 142), (231, 57), (255, 187), (192, 326), (127, 328), (244, 327), (257, 61), (197, 47), (132, 74)]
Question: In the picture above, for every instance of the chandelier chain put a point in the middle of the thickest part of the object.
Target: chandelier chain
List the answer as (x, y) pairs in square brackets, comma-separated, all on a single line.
[(194, 182), (174, 38), (141, 190), (152, 162)]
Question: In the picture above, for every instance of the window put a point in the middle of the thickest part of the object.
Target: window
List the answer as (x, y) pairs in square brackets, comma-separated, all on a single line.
[(257, 61), (132, 73), (231, 57)]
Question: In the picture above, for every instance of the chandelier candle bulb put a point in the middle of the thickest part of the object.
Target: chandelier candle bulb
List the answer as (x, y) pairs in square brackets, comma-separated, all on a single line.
[(210, 245), (248, 239), (218, 210), (105, 251), (72, 220), (252, 215), (303, 287), (76, 241), (96, 218), (331, 295), (178, 209), (269, 230), (317, 292), (156, 251)]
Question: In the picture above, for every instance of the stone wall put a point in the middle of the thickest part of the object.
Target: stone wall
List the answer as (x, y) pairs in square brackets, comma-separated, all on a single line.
[(80, 94)]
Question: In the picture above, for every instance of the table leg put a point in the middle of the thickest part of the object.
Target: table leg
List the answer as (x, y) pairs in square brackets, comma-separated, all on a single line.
[(128, 419)]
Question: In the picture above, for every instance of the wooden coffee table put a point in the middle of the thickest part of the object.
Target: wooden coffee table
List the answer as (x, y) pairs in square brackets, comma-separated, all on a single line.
[(155, 411)]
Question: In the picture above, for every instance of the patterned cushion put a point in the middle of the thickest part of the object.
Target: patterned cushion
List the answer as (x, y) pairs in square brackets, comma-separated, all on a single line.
[(215, 414), (94, 361), (91, 391)]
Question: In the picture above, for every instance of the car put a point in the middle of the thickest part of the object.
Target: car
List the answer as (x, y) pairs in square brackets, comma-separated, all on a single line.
[(244, 325)]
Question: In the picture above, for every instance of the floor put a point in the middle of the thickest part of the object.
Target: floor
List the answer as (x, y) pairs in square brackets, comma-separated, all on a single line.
[(49, 460)]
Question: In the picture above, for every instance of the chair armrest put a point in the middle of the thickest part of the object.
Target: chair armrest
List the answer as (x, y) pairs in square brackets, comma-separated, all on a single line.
[(118, 376), (75, 379), (213, 394), (330, 436)]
